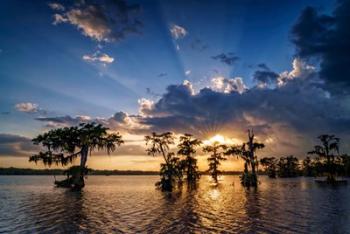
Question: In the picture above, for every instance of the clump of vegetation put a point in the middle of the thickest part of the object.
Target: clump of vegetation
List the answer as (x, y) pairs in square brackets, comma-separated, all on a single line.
[(270, 166), (308, 167), (170, 170), (216, 151), (328, 150), (63, 145), (328, 154), (288, 167), (187, 149), (343, 164), (247, 153)]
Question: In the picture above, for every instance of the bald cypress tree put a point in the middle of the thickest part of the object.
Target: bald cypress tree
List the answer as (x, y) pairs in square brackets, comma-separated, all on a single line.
[(247, 152), (187, 148), (62, 145), (170, 170), (327, 150), (216, 151)]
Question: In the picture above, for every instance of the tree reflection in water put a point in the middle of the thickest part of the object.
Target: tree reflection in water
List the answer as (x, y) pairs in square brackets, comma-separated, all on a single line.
[(61, 210)]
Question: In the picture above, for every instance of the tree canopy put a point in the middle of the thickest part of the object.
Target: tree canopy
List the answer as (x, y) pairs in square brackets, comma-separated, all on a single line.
[(63, 145)]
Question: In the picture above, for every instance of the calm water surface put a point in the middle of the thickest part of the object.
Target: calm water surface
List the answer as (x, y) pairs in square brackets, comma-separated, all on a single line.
[(131, 204)]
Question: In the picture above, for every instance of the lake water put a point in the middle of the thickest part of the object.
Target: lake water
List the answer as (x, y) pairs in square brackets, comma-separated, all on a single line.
[(131, 204)]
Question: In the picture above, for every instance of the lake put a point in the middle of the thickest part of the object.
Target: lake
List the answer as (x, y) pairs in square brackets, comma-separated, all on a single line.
[(131, 204)]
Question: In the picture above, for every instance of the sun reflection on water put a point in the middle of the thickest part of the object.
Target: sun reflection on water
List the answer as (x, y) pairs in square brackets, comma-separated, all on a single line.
[(214, 194)]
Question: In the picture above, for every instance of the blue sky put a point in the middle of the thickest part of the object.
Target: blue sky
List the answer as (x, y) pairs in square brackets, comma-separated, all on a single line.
[(43, 63)]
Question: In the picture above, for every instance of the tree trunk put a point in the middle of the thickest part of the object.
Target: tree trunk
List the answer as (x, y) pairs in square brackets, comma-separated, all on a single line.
[(78, 179), (251, 151), (252, 177)]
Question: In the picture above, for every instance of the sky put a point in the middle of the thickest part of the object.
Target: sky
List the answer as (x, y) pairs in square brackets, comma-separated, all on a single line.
[(209, 68)]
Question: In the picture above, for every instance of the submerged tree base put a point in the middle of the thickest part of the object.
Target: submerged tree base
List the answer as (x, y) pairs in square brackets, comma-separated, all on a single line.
[(75, 178), (249, 180), (165, 185)]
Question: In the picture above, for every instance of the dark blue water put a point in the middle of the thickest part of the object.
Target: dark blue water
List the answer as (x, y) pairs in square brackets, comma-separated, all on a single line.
[(131, 204)]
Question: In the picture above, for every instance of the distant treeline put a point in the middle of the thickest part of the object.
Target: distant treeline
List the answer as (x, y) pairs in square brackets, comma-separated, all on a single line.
[(291, 166), (29, 171)]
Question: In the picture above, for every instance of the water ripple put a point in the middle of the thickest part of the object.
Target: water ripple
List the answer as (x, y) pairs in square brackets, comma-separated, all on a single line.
[(130, 204)]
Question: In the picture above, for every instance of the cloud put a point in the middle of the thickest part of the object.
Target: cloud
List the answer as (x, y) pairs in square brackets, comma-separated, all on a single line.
[(120, 121), (144, 106), (188, 72), (56, 6), (327, 38), (288, 115), (99, 57), (124, 123), (228, 59), (162, 74), (27, 107), (64, 121), (14, 145), (263, 66), (300, 70), (264, 76), (222, 84), (177, 31), (107, 21)]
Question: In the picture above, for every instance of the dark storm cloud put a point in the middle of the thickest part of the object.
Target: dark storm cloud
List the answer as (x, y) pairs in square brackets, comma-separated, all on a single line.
[(265, 77), (299, 106), (326, 37), (120, 116), (229, 58), (263, 66), (14, 145), (108, 20)]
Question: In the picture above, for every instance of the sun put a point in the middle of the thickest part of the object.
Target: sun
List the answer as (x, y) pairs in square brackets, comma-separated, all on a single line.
[(222, 140), (217, 138)]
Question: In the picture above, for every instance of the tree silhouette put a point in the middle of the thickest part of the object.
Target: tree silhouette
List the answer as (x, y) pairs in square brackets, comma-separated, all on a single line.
[(170, 171), (63, 145), (308, 167), (187, 148), (288, 166), (247, 153), (217, 155), (328, 150), (270, 166), (344, 161)]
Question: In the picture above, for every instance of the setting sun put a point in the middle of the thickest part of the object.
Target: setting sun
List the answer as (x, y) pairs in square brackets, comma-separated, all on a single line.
[(222, 140), (217, 138)]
